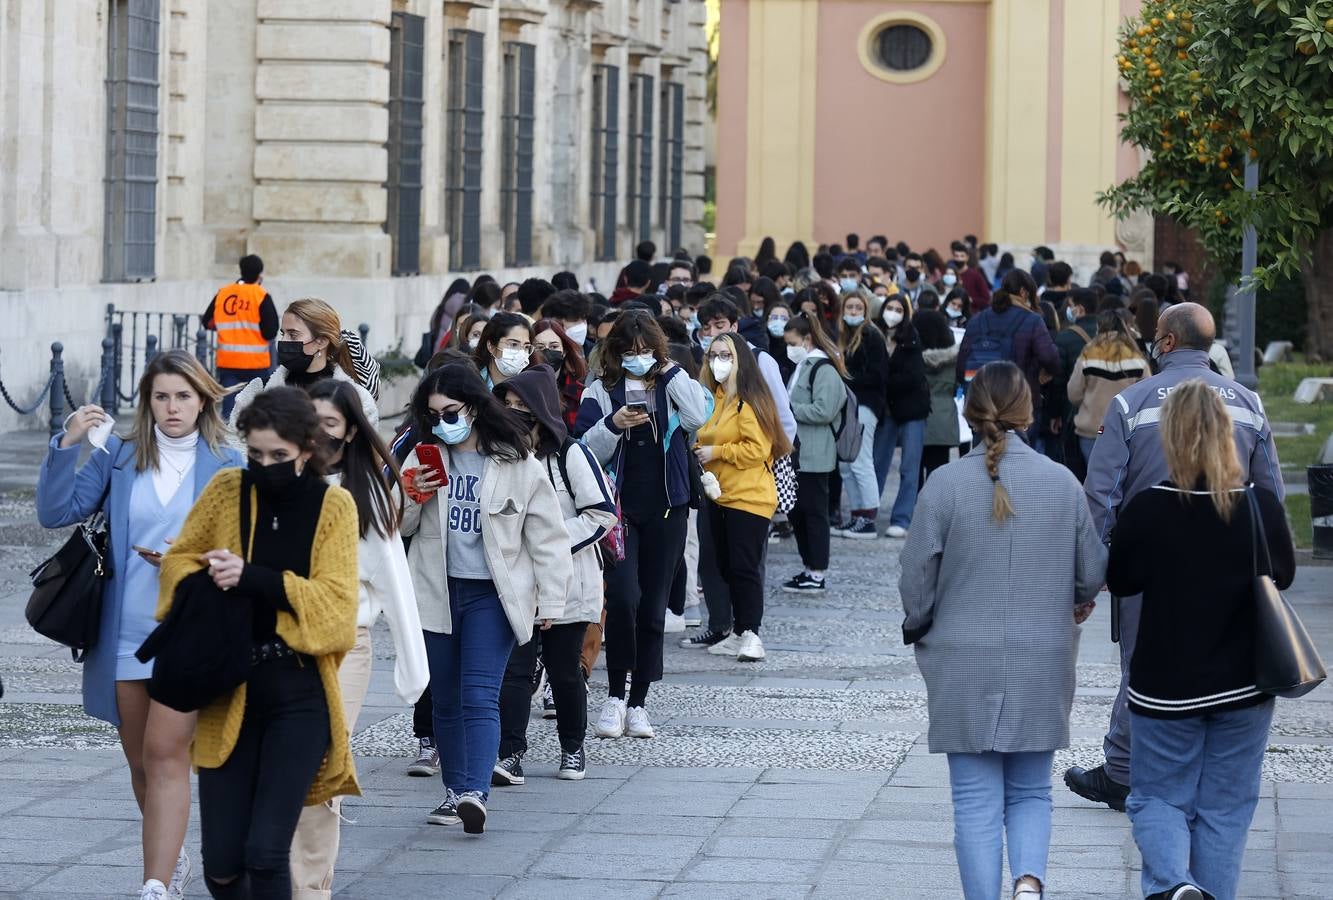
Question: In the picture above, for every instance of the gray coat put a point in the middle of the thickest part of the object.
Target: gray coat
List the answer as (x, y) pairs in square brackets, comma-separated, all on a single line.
[(996, 601)]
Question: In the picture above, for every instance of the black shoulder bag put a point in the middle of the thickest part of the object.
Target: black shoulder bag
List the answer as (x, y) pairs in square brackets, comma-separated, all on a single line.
[(1286, 663), (66, 600)]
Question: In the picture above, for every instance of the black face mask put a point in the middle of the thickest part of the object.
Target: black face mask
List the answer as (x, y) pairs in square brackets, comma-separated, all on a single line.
[(913, 276), (554, 358), (292, 356), (334, 445), (528, 419), (275, 479)]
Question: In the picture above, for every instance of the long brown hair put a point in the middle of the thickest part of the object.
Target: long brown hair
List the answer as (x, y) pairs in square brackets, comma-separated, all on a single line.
[(210, 426), (574, 367), (365, 461), (849, 337), (325, 323), (746, 384), (998, 401), (632, 326), (1200, 444)]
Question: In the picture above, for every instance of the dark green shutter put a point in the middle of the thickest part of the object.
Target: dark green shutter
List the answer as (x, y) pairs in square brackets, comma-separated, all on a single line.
[(130, 225), (407, 55)]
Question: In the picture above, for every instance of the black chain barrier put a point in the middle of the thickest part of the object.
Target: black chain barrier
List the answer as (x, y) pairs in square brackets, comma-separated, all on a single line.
[(27, 410)]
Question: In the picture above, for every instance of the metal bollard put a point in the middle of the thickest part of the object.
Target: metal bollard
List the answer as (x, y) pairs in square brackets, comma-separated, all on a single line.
[(150, 349), (108, 397), (365, 330), (117, 364), (201, 346), (57, 388)]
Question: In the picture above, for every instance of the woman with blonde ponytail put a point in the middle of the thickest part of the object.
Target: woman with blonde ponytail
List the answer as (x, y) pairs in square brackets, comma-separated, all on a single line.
[(1199, 723), (1001, 565)]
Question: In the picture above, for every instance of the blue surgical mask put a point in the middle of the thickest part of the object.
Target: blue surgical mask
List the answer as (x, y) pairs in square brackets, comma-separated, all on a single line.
[(776, 326), (692, 322), (454, 432), (638, 364), (853, 321), (949, 279), (848, 284), (1069, 314), (705, 342), (953, 313)]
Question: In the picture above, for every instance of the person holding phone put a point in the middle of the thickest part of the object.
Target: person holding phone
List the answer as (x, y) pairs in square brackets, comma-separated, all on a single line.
[(146, 483), (634, 418), (359, 461), (479, 541)]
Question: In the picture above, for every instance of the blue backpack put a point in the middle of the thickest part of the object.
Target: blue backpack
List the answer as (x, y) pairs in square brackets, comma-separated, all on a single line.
[(991, 346)]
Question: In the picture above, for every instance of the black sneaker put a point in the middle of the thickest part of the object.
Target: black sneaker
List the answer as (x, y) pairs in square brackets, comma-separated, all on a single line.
[(573, 766), (508, 771), (447, 812), (704, 640), (1182, 891), (472, 812), (1097, 786), (548, 702), (861, 529), (427, 763), (803, 583)]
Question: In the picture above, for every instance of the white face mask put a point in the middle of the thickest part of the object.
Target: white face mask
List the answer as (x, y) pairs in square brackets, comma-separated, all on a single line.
[(721, 369), (577, 333), (892, 317), (511, 361), (797, 354)]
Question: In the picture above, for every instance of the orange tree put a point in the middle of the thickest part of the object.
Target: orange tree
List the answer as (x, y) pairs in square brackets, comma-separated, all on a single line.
[(1213, 83)]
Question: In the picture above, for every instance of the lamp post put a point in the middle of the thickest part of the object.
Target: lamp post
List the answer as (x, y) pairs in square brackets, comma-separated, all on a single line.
[(1244, 293)]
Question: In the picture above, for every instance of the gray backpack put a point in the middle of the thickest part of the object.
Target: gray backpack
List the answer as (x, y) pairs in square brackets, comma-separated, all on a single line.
[(847, 426)]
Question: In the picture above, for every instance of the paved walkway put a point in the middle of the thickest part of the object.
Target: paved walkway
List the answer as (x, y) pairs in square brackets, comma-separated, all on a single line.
[(803, 776)]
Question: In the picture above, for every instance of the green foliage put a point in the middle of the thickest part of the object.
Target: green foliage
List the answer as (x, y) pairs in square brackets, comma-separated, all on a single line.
[(1279, 311), (394, 365), (1212, 83)]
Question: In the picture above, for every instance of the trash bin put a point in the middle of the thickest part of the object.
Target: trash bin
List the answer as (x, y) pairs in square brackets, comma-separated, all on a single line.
[(1320, 479)]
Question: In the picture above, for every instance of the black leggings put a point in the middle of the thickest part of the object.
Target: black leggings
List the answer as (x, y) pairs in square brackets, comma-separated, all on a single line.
[(561, 647), (636, 595), (739, 539), (423, 716), (249, 806), (936, 455), (810, 519)]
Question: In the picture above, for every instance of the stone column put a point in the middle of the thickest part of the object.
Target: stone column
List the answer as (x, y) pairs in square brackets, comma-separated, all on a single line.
[(696, 129), (187, 247), (320, 127)]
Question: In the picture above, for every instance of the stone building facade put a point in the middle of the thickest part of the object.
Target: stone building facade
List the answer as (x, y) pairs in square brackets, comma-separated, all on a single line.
[(369, 150)]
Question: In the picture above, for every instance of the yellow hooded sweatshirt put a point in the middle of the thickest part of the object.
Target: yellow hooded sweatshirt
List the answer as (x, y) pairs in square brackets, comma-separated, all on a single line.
[(742, 457)]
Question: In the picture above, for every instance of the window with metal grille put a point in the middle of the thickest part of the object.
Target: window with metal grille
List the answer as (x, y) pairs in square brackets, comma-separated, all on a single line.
[(517, 118), (605, 157), (130, 226), (641, 155), (462, 190), (407, 58), (903, 47), (672, 169)]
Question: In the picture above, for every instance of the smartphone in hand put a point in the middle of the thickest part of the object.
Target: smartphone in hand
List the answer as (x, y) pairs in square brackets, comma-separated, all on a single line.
[(429, 455)]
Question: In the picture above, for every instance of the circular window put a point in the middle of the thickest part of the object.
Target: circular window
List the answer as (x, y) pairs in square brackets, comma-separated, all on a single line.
[(903, 47)]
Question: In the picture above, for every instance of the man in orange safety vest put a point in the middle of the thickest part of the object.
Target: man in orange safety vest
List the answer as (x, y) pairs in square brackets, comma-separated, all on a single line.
[(246, 320)]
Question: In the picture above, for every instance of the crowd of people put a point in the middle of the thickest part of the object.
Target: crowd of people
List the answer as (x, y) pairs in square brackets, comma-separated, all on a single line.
[(578, 473)]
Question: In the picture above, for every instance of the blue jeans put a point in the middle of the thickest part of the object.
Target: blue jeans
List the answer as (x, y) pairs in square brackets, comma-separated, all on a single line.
[(466, 670), (1086, 445), (998, 796), (1194, 784), (858, 476), (911, 436)]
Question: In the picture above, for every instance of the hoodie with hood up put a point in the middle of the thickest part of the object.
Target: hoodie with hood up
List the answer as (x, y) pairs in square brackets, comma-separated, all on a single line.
[(585, 499)]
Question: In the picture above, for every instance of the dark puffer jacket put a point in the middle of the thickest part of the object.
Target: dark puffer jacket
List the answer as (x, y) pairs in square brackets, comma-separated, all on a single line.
[(908, 390)]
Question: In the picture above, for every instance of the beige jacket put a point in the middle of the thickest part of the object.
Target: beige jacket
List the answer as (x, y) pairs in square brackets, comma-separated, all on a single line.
[(1101, 373), (523, 532)]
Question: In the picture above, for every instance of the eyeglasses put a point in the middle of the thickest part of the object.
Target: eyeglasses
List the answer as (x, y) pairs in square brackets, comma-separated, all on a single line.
[(515, 344), (724, 355), (448, 416)]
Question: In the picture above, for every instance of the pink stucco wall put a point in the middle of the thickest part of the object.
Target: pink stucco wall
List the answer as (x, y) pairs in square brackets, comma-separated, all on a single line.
[(733, 68), (907, 161)]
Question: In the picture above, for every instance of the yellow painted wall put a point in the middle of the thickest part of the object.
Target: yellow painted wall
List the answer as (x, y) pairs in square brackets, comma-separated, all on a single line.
[(1090, 127), (1016, 113)]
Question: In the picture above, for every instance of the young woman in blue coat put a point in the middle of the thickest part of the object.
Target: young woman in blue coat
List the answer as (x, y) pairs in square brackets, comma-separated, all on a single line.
[(146, 481)]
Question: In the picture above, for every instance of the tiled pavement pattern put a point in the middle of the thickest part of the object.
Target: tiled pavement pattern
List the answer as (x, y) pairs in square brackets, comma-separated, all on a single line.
[(802, 776)]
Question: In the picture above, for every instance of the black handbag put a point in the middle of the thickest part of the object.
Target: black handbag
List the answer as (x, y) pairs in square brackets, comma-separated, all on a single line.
[(66, 600), (1286, 663)]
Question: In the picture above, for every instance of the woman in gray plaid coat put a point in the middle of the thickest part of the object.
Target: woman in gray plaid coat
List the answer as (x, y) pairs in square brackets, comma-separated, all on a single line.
[(1001, 564)]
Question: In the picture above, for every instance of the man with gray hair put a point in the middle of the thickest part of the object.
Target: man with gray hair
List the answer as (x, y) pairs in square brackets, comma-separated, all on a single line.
[(1128, 458)]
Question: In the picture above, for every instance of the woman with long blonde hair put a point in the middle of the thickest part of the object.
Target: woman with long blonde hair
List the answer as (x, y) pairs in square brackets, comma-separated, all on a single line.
[(1001, 564), (145, 482), (311, 347), (738, 445), (1200, 725)]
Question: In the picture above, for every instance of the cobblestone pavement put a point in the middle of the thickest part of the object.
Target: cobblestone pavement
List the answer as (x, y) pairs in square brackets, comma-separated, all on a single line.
[(805, 775)]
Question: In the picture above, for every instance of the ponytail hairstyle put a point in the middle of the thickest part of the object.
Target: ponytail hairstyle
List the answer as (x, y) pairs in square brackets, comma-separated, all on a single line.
[(324, 322), (998, 401), (365, 461), (1200, 445), (1016, 285), (811, 327)]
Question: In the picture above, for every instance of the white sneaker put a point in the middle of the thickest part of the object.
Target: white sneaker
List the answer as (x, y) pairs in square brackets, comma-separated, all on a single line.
[(637, 724), (180, 878), (153, 890), (728, 646), (674, 624), (751, 649), (896, 531), (611, 723)]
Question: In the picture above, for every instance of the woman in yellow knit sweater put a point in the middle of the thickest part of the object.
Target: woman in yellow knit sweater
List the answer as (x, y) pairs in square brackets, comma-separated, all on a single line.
[(738, 445), (285, 542)]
